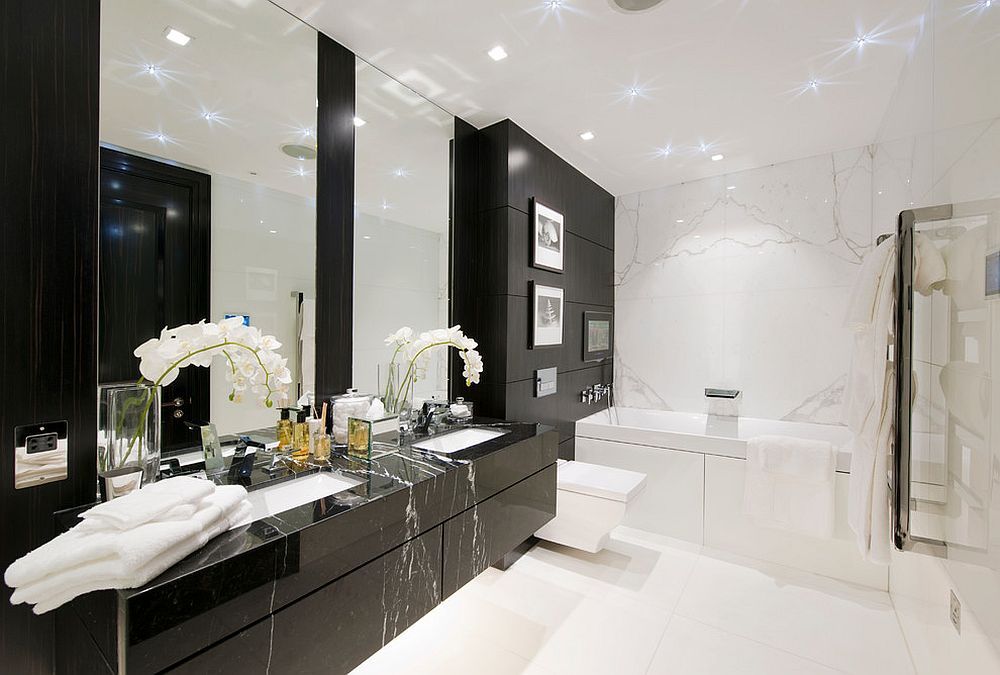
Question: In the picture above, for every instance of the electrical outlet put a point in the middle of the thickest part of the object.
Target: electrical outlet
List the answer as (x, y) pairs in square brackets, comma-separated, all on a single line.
[(40, 454), (956, 613), (41, 442)]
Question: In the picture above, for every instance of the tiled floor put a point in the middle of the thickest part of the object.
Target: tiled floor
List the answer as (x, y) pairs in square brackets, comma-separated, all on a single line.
[(648, 605)]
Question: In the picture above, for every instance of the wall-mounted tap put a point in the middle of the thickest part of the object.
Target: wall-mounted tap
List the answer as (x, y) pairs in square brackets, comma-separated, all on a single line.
[(595, 393)]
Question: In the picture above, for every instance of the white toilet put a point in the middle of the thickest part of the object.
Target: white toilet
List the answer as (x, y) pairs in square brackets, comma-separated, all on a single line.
[(591, 500)]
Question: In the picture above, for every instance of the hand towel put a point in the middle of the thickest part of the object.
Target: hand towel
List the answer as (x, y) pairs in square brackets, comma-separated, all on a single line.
[(150, 502), (179, 512), (790, 484), (134, 548), (100, 575)]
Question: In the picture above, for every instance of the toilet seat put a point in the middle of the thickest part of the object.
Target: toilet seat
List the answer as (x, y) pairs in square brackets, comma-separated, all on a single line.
[(594, 480)]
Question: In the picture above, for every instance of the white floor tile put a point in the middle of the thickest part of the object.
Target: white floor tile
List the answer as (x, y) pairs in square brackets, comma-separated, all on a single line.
[(692, 648), (640, 569), (846, 627), (561, 630)]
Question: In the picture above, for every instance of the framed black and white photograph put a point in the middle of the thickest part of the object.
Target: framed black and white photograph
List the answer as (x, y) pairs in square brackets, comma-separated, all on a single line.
[(548, 241), (546, 315), (597, 335)]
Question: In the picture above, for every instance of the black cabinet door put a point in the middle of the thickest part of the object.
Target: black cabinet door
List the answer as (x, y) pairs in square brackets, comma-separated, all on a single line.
[(155, 238)]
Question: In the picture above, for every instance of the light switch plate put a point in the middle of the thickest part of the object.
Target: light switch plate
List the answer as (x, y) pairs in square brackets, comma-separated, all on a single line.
[(41, 452), (545, 382)]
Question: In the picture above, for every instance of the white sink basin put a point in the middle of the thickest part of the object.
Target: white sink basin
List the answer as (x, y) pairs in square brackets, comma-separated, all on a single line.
[(291, 493), (453, 441)]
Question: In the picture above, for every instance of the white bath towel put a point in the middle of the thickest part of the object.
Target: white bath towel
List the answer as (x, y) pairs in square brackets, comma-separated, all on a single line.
[(869, 403), (179, 512), (150, 502), (100, 575), (134, 548), (790, 484)]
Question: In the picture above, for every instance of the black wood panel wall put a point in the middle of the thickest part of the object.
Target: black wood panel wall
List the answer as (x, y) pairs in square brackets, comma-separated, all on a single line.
[(49, 81), (497, 171), (334, 218)]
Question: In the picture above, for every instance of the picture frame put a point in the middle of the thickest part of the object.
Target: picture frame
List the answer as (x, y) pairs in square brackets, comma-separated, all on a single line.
[(548, 240), (598, 336), (547, 313)]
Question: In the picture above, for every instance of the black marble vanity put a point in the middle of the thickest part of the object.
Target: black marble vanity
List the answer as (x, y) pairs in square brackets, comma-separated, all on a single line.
[(320, 587)]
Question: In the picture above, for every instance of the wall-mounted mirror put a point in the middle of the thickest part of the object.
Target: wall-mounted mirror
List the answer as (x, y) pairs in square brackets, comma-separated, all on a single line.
[(208, 190), (401, 246)]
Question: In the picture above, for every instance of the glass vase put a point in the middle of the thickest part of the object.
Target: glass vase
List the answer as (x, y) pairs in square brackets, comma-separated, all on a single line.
[(133, 432), (398, 403)]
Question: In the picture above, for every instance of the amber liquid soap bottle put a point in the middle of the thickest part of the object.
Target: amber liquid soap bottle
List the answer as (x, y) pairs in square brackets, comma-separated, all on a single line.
[(300, 437), (284, 431)]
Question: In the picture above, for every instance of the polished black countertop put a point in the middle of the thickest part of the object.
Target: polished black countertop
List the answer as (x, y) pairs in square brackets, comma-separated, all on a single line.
[(250, 572)]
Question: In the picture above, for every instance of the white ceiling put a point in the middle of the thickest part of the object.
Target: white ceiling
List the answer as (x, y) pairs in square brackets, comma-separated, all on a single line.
[(730, 74)]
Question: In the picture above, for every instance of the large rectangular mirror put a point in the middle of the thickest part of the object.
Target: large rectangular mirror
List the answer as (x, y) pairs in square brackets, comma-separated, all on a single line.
[(401, 243), (208, 191)]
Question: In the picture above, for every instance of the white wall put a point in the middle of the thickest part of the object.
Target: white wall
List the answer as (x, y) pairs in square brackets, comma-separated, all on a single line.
[(940, 143), (254, 272), (742, 288)]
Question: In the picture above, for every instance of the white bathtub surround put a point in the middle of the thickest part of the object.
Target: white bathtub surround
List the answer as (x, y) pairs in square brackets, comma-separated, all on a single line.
[(97, 554), (695, 476), (870, 400), (742, 288), (790, 484)]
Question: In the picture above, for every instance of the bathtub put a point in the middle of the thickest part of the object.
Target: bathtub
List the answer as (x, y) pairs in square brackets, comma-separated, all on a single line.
[(706, 434), (695, 467)]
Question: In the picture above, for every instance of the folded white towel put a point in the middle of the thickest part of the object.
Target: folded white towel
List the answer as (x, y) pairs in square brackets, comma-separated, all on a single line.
[(150, 502), (790, 484), (133, 548), (47, 595), (179, 512)]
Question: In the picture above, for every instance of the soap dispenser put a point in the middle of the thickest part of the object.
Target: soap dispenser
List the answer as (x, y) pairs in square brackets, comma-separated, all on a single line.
[(300, 436)]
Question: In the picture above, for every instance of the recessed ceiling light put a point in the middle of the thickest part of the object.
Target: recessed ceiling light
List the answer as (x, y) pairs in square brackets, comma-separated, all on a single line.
[(587, 135), (716, 158), (151, 68), (385, 205), (367, 236), (813, 84), (861, 40), (554, 4), (703, 147), (498, 53), (358, 122), (400, 173), (633, 92), (665, 152), (161, 137), (176, 36), (273, 231), (210, 116), (730, 187), (987, 3), (679, 220)]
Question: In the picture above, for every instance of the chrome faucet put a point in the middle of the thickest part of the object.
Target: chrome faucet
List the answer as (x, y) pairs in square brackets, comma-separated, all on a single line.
[(595, 393), (431, 414)]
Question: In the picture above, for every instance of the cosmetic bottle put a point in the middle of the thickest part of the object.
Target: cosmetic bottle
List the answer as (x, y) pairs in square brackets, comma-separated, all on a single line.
[(300, 437), (284, 431)]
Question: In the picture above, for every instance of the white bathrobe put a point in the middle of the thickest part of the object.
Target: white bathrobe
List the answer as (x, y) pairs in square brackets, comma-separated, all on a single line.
[(869, 401)]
